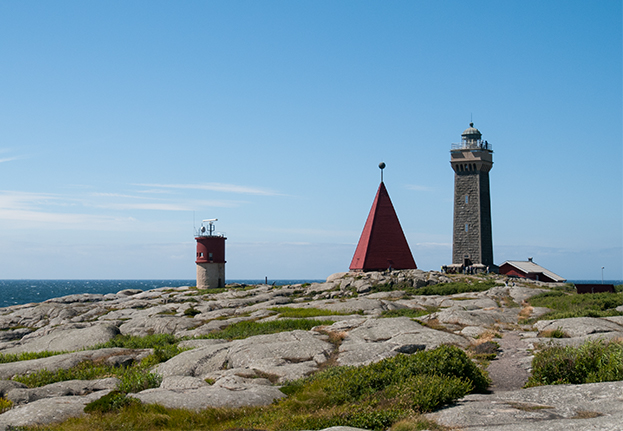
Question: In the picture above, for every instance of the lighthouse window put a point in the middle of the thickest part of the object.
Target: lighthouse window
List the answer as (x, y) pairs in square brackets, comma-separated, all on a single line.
[(201, 254), (466, 227), (210, 256)]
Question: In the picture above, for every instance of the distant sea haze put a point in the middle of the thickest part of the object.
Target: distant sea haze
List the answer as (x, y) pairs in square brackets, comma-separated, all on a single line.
[(14, 292)]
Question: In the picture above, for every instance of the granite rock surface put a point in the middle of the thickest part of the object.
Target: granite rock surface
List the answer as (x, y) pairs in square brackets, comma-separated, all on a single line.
[(365, 326)]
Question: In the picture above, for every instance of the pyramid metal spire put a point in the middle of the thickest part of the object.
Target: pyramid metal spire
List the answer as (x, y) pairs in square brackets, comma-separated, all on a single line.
[(382, 244)]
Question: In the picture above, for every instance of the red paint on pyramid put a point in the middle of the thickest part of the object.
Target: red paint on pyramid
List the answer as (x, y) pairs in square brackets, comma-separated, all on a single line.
[(382, 244)]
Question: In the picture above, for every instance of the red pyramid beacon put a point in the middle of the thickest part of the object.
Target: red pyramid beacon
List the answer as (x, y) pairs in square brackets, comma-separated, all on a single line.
[(382, 244)]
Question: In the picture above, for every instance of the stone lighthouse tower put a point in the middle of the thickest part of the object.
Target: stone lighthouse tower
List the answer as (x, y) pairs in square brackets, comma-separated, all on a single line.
[(210, 256), (472, 242)]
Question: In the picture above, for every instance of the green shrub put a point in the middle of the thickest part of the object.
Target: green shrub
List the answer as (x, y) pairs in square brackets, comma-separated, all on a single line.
[(566, 305), (593, 361), (111, 402), (137, 379), (191, 312), (250, 328)]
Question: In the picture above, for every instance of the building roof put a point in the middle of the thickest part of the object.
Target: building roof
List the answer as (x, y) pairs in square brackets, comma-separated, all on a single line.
[(382, 244), (529, 267), (471, 132)]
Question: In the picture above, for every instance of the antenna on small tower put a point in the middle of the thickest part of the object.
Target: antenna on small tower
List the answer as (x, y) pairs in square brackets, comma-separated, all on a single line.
[(210, 225), (381, 167)]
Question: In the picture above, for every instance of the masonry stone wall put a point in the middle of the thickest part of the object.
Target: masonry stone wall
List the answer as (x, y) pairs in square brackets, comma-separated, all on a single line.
[(466, 241), (210, 275)]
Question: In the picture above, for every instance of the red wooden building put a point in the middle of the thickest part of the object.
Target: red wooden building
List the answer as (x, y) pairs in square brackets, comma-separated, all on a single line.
[(529, 270), (382, 244)]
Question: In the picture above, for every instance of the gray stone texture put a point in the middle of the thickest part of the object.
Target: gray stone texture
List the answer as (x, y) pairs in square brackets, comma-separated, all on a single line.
[(476, 241)]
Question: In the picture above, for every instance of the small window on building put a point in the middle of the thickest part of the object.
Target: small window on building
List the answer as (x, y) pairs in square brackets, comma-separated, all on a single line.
[(210, 256), (466, 227), (201, 254), (466, 199)]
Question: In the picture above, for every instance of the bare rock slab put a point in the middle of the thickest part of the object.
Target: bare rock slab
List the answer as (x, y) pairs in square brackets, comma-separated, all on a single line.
[(211, 396), (595, 406), (581, 326), (377, 339), (48, 410), (65, 338)]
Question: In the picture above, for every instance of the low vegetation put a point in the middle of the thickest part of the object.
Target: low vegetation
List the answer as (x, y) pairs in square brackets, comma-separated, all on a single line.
[(592, 362), (5, 404), (565, 305), (250, 328), (409, 312), (554, 333), (437, 289), (392, 392), (164, 345), (132, 379), (26, 356), (291, 312), (456, 287)]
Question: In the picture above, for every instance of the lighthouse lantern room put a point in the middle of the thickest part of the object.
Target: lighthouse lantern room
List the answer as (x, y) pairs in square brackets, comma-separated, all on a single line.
[(210, 257)]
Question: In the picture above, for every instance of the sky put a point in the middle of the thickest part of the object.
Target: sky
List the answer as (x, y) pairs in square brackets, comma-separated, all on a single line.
[(123, 124)]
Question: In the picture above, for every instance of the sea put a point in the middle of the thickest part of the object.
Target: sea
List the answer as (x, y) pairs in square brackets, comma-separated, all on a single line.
[(14, 292)]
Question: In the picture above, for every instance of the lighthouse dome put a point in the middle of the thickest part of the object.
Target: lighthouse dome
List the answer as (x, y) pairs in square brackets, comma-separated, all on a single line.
[(471, 133)]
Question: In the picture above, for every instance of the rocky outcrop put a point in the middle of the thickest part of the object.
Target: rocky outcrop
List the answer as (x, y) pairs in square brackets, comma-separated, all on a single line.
[(595, 406), (216, 372)]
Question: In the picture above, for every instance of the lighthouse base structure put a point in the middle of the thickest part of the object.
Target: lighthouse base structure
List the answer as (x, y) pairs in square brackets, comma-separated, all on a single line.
[(210, 275)]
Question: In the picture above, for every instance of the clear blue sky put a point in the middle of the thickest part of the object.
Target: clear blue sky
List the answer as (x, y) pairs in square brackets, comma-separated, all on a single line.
[(120, 121)]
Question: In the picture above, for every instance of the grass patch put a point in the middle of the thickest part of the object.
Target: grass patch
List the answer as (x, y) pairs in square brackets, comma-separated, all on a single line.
[(164, 345), (133, 379), (437, 289), (291, 312), (134, 342), (554, 333), (592, 362), (408, 312), (5, 405), (566, 305), (456, 287), (111, 402), (249, 328), (26, 356)]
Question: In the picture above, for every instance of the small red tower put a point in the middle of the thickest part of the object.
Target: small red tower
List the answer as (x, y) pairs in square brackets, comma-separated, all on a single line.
[(382, 244), (210, 256)]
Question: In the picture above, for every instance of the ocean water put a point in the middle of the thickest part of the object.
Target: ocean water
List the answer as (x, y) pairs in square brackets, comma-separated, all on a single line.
[(13, 292)]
